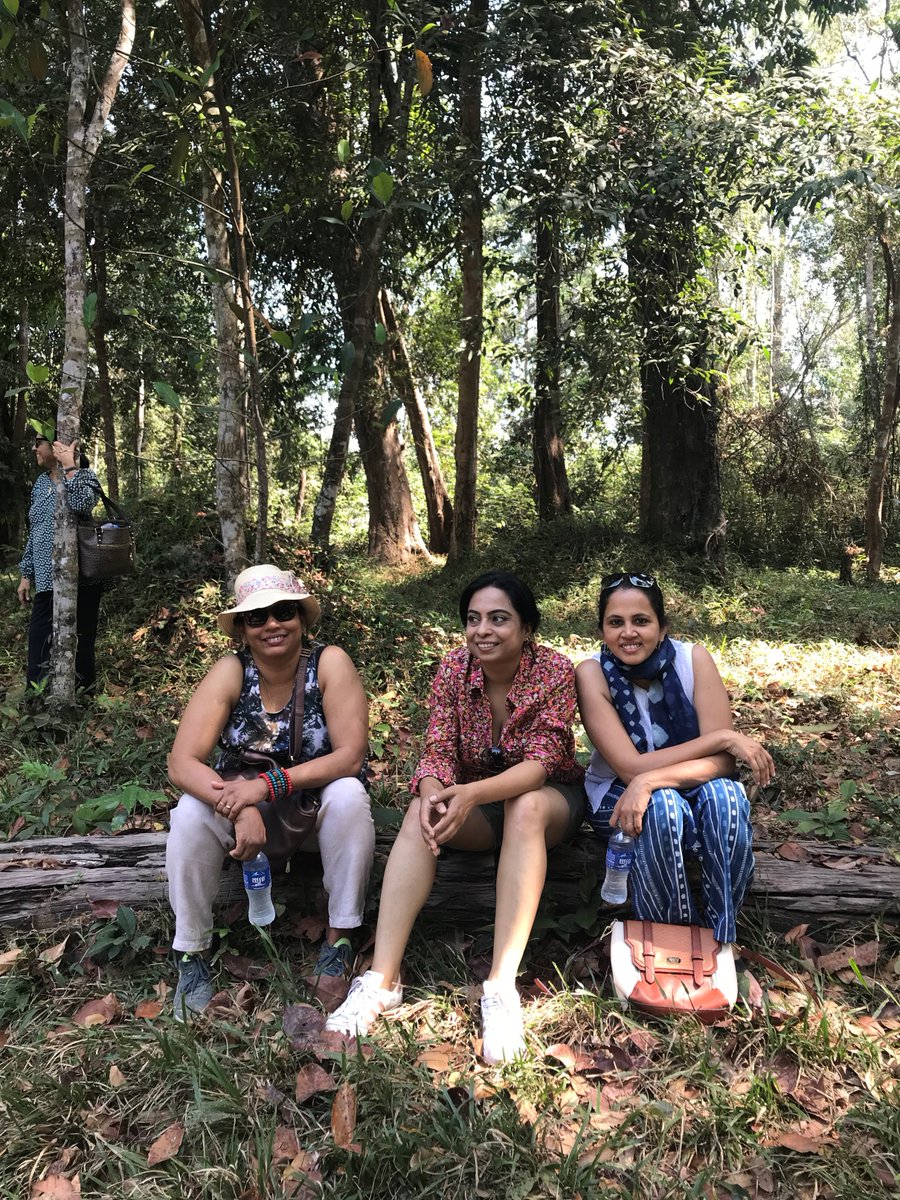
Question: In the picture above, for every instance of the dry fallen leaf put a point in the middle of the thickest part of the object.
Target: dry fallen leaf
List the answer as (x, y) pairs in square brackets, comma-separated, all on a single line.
[(330, 990), (797, 1141), (793, 852), (104, 908), (865, 955), (116, 1078), (285, 1146), (343, 1116), (797, 932), (57, 1187), (302, 1024), (245, 968), (434, 1059), (424, 74), (310, 928), (7, 959), (99, 1012), (166, 1145), (54, 954), (562, 1053), (312, 1079), (149, 1009)]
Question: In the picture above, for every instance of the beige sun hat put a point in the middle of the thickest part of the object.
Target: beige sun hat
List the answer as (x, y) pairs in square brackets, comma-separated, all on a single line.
[(262, 586)]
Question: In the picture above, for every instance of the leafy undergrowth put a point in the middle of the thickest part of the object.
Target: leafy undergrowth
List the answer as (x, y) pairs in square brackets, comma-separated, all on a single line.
[(103, 1095)]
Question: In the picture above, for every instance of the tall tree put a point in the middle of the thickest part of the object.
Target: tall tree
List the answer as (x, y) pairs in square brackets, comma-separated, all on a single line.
[(83, 132), (471, 251)]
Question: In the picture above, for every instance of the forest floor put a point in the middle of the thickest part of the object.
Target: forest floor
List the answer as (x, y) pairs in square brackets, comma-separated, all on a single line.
[(797, 1094)]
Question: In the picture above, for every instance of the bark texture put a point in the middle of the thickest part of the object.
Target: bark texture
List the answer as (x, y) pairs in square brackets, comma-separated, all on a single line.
[(886, 421), (104, 387), (471, 253), (231, 495), (553, 496), (437, 498), (83, 132)]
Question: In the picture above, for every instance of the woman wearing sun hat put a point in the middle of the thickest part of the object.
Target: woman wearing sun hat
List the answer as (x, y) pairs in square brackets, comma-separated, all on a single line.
[(244, 703)]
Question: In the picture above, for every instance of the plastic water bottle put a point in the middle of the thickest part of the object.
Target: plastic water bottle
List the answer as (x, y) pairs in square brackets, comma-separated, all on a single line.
[(619, 856), (258, 882)]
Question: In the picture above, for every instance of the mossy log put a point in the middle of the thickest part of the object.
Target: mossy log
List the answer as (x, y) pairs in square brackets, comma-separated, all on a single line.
[(47, 880)]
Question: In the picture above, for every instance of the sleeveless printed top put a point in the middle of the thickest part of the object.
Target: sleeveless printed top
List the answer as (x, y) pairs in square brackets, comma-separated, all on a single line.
[(600, 775), (251, 727)]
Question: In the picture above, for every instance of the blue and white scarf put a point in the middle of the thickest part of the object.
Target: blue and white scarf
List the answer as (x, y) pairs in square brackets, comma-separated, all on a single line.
[(672, 716)]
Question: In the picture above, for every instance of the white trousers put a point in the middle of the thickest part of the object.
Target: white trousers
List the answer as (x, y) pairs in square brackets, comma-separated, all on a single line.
[(199, 839)]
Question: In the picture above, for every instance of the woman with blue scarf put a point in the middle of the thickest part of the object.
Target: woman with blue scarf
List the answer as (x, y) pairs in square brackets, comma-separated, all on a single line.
[(663, 767)]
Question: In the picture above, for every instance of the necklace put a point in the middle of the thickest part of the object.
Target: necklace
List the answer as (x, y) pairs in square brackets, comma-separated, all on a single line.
[(270, 696)]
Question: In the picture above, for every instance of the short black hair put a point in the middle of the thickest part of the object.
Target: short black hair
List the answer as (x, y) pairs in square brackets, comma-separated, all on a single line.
[(520, 595), (620, 581)]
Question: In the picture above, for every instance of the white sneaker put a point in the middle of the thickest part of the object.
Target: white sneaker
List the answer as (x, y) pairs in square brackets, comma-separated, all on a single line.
[(503, 1036), (366, 1001)]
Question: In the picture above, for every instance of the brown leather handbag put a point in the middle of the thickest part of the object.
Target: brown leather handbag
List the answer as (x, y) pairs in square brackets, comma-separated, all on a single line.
[(673, 968), (290, 819)]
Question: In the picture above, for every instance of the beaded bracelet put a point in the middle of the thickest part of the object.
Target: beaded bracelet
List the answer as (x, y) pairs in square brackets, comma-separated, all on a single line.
[(278, 783)]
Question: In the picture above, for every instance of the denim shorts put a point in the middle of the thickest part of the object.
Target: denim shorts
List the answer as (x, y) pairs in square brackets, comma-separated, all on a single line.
[(573, 794)]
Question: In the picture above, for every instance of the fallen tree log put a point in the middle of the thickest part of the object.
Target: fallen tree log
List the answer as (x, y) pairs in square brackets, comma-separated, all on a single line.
[(47, 880)]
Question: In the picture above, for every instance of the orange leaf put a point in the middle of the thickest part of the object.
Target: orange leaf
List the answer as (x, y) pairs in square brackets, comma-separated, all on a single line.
[(166, 1145), (793, 852), (312, 1079), (116, 1078), (99, 1012), (57, 1187), (343, 1115), (150, 1009), (424, 74)]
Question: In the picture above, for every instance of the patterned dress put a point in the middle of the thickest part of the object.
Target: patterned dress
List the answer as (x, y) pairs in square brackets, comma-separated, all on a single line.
[(251, 727)]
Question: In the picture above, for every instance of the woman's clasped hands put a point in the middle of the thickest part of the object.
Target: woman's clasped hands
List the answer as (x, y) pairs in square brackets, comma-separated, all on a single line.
[(443, 813)]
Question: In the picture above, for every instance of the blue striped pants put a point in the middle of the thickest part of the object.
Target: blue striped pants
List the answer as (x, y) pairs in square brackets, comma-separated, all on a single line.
[(710, 823)]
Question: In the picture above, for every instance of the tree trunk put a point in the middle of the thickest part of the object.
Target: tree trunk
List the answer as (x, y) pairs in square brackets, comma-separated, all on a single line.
[(140, 415), (301, 496), (887, 417), (83, 135), (471, 249), (437, 499), (243, 271), (359, 325), (553, 496), (104, 389), (870, 369), (393, 530), (776, 359), (23, 338), (231, 497)]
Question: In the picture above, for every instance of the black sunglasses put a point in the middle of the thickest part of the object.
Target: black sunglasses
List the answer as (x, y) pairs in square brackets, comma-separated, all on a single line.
[(283, 610), (609, 582), (493, 760)]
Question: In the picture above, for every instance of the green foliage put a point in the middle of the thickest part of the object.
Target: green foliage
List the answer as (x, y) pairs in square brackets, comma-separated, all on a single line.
[(117, 940), (829, 822)]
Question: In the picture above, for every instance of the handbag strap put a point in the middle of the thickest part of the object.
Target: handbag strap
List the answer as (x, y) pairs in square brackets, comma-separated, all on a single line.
[(697, 955), (649, 952), (112, 509), (297, 708)]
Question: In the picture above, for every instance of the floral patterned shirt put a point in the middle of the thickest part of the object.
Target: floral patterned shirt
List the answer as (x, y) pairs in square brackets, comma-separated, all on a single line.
[(541, 708), (251, 727), (37, 561)]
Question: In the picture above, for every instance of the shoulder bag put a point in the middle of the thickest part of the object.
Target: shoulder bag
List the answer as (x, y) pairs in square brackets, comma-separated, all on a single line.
[(291, 819), (106, 547), (672, 969)]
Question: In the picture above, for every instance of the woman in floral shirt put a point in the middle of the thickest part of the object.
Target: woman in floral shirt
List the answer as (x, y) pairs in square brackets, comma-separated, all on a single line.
[(498, 769)]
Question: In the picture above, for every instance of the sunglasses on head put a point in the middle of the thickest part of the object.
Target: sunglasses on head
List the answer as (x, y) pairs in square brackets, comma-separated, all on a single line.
[(609, 582), (283, 610)]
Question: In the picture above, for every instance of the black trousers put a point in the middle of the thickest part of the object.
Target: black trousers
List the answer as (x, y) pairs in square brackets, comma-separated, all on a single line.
[(40, 636)]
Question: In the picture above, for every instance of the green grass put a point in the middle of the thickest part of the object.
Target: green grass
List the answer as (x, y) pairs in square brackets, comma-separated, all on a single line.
[(795, 1098)]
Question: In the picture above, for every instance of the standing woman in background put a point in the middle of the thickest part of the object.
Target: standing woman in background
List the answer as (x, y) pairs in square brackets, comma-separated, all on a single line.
[(663, 767), (36, 566)]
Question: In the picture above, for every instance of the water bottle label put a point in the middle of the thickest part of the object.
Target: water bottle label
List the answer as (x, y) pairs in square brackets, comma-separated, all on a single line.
[(619, 860), (254, 881)]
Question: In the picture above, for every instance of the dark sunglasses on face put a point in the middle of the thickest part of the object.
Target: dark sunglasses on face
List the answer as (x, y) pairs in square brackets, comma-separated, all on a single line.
[(609, 582), (284, 610)]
